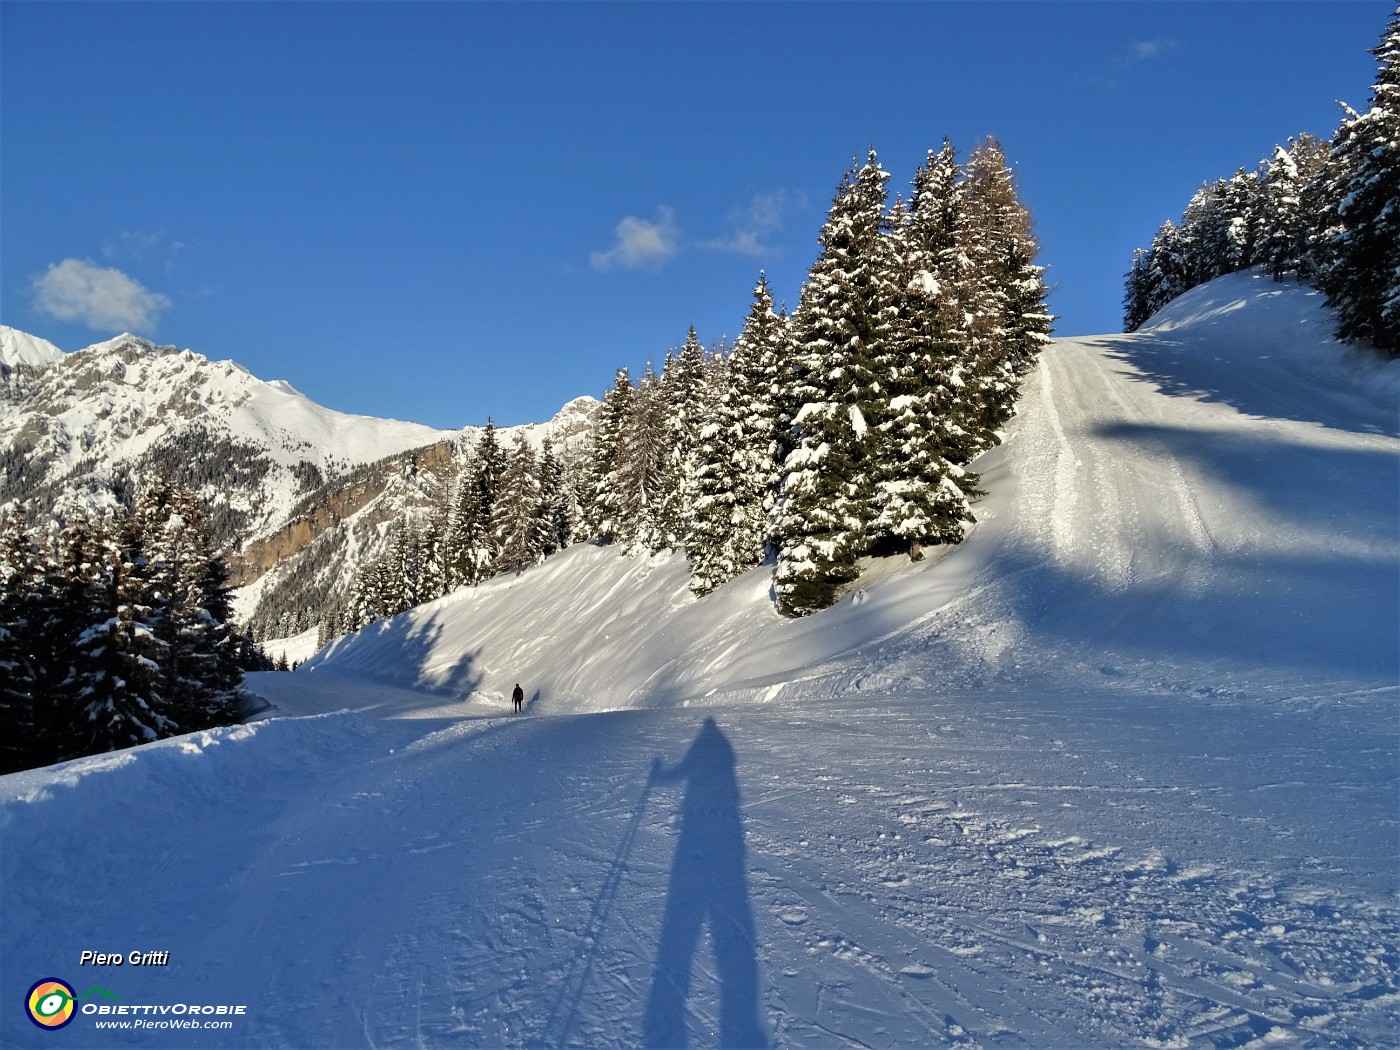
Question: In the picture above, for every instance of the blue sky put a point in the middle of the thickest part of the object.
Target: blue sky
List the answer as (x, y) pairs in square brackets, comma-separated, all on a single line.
[(438, 212)]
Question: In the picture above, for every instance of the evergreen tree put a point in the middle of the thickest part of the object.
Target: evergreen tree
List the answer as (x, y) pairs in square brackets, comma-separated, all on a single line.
[(399, 572), (33, 725), (1003, 292), (736, 464), (518, 527), (115, 679), (490, 465), (433, 567), (920, 495), (639, 479), (1283, 223), (683, 392), (600, 518), (191, 610), (1167, 267), (1137, 300), (467, 551), (556, 509), (822, 516), (1362, 274)]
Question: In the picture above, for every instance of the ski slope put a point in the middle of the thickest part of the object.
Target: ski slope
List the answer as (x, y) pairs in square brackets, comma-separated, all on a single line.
[(1121, 770)]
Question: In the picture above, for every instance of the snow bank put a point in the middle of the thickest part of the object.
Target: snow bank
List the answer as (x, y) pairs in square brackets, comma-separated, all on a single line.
[(1250, 315)]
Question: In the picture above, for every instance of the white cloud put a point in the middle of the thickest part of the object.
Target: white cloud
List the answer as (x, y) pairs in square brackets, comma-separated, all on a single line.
[(144, 247), (641, 244), (101, 298), (752, 224), (1146, 50)]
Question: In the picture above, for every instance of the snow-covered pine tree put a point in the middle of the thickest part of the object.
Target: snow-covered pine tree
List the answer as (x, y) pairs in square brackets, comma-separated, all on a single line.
[(400, 570), (640, 474), (190, 608), (1204, 233), (1137, 301), (683, 391), (1167, 267), (366, 601), (736, 465), (33, 726), (115, 681), (518, 528), (920, 495), (467, 550), (1003, 292), (555, 501), (599, 504), (1239, 200), (1362, 273), (432, 579), (822, 517), (1283, 223), (933, 277), (490, 465)]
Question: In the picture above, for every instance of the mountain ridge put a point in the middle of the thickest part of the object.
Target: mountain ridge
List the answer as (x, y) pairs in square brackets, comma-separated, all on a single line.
[(80, 430)]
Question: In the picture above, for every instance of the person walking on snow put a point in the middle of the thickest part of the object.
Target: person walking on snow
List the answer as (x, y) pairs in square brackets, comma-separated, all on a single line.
[(518, 696)]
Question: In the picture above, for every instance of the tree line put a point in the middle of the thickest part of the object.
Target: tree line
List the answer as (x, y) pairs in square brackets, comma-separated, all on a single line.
[(509, 509), (115, 631), (1323, 212), (841, 431)]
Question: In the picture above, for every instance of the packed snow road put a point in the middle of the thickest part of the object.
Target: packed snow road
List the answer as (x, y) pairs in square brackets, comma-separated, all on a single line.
[(1121, 770), (913, 870)]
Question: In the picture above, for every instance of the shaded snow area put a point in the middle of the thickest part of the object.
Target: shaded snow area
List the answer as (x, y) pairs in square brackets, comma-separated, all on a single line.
[(1121, 770)]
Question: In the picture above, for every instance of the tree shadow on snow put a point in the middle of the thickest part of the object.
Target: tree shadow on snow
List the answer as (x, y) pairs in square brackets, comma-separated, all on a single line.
[(404, 651), (708, 884), (1201, 368)]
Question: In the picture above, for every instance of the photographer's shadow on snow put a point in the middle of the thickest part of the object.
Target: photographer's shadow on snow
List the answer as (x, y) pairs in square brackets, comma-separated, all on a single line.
[(708, 884)]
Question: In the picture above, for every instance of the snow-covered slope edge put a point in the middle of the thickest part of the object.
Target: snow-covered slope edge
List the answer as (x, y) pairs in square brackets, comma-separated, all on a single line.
[(1207, 506)]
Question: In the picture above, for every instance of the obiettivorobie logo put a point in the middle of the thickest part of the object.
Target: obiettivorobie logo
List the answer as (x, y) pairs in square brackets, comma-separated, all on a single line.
[(50, 1002), (53, 1004)]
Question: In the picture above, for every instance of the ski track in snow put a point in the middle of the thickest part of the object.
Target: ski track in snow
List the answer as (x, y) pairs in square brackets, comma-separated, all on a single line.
[(1119, 771)]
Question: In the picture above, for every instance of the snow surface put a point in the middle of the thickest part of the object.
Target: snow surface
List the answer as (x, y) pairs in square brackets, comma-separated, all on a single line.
[(1121, 770), (21, 348)]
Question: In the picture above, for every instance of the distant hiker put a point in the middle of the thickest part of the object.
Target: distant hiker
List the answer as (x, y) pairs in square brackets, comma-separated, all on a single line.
[(518, 696)]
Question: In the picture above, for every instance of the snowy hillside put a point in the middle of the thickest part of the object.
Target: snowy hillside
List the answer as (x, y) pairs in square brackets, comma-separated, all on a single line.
[(1205, 506), (1120, 770)]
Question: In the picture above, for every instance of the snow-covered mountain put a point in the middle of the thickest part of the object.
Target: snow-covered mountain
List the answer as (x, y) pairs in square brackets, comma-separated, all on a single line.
[(22, 349), (126, 406), (1119, 770), (331, 531), (277, 469)]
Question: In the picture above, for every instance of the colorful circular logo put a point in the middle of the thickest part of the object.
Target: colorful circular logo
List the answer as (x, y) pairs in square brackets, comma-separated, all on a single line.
[(50, 1003)]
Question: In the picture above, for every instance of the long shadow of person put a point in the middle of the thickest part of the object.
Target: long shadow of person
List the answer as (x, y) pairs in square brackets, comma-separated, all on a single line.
[(708, 883)]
